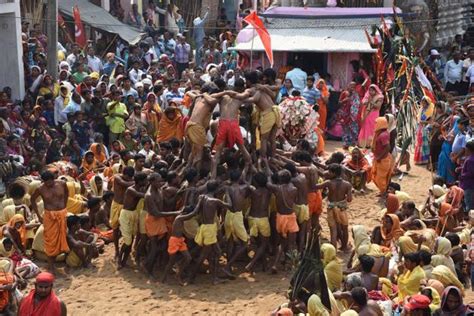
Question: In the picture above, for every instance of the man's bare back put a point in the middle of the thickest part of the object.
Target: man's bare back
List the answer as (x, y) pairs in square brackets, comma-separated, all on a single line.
[(339, 190), (301, 184), (285, 195), (237, 194), (210, 207), (259, 202), (132, 197)]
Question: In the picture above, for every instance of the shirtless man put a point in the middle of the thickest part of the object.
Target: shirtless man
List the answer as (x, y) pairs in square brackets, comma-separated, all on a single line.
[(369, 279), (301, 204), (121, 183), (259, 223), (315, 198), (286, 223), (228, 132), (235, 232), (268, 114), (198, 123), (207, 234), (177, 242), (142, 238), (155, 221), (54, 194), (129, 216), (340, 193)]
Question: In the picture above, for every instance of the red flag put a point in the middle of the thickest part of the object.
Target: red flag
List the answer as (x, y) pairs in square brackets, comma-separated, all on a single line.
[(79, 28), (61, 22), (262, 32)]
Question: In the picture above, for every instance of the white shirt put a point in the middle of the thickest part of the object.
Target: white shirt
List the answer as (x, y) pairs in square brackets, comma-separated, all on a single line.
[(59, 115), (71, 59), (298, 78), (135, 75), (470, 74), (453, 71), (94, 63)]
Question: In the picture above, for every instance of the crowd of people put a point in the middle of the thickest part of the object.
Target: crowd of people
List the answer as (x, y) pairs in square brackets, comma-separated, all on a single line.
[(179, 158)]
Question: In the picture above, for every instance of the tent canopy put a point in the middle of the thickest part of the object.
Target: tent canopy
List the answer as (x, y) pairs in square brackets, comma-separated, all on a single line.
[(99, 18)]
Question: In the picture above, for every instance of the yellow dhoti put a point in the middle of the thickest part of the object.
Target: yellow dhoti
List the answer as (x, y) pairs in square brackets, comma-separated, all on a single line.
[(195, 133), (259, 226), (115, 210), (128, 225), (206, 235), (268, 119), (302, 212), (234, 226)]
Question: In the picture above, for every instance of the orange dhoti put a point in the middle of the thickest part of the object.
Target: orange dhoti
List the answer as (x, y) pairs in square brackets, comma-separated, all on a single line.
[(315, 202), (55, 232), (382, 172), (286, 224), (155, 226), (176, 244)]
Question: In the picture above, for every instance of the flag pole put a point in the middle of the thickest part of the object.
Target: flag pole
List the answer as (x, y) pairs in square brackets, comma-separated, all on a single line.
[(251, 48)]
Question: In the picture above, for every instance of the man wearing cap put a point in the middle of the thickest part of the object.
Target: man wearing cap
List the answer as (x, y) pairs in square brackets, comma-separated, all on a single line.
[(42, 300), (436, 64), (181, 55)]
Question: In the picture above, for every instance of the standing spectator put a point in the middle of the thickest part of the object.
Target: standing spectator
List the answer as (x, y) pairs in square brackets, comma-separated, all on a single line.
[(135, 74), (467, 176), (181, 55), (127, 88), (310, 93), (199, 33), (436, 64), (59, 104), (73, 56), (297, 77), (134, 18), (110, 65), (468, 77), (93, 62), (453, 74), (117, 113), (82, 131), (169, 44), (212, 55), (200, 52), (174, 94)]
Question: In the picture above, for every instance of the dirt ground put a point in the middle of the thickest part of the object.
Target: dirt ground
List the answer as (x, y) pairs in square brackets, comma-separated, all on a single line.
[(106, 291)]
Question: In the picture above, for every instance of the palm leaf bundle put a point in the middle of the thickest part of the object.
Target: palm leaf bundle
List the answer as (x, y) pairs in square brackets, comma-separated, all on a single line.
[(309, 277)]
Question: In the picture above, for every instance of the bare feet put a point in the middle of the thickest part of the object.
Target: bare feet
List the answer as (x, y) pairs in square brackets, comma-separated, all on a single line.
[(228, 273)]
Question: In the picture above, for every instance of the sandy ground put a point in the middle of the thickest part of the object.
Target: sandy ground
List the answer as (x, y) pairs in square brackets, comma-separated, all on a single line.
[(104, 290)]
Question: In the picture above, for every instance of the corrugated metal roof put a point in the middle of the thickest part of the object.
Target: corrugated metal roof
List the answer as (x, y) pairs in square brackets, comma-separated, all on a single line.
[(101, 19), (318, 35)]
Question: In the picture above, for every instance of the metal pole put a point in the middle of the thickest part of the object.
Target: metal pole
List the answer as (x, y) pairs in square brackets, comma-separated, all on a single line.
[(251, 48), (52, 33)]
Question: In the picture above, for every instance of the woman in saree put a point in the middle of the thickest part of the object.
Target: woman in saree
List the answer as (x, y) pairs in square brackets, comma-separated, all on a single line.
[(332, 266), (99, 152), (371, 104), (436, 138), (348, 114), (322, 103), (152, 112), (48, 86), (442, 256), (363, 246), (446, 167), (422, 143), (452, 303), (391, 230)]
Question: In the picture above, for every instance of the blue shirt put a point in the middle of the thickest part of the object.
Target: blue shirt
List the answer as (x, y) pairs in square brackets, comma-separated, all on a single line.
[(459, 142), (311, 95), (298, 78), (108, 68), (72, 107)]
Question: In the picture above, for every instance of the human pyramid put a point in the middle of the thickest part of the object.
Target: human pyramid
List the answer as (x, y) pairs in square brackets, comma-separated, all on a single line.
[(203, 202)]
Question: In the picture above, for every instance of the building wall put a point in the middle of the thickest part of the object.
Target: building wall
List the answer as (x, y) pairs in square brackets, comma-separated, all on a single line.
[(11, 63)]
